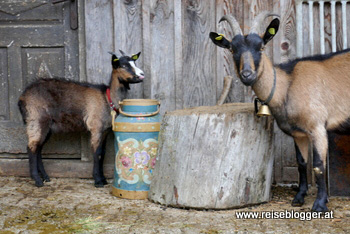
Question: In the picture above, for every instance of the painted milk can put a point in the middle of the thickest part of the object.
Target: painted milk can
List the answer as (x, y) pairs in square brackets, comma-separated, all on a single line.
[(136, 132)]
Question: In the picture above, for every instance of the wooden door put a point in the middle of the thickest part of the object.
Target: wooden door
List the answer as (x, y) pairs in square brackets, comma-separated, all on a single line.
[(339, 165), (36, 40)]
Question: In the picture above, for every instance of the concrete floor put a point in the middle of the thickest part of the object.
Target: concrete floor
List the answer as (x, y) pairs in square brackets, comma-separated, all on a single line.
[(76, 206)]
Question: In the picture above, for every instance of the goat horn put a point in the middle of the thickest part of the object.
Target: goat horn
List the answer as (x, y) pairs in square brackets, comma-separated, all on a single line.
[(236, 29), (122, 52), (112, 53), (258, 21)]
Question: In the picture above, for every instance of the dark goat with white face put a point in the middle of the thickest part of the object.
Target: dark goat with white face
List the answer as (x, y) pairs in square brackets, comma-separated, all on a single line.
[(308, 97), (58, 105), (132, 73)]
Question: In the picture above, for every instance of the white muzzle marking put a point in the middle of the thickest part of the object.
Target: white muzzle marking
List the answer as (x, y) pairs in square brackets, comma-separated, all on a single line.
[(138, 71)]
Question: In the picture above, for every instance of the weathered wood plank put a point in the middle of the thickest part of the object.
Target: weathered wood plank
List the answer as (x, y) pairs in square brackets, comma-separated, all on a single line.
[(284, 43), (317, 42), (305, 22), (339, 28), (348, 23), (162, 53), (13, 138), (4, 87), (199, 63), (128, 36), (146, 48), (178, 47), (98, 15), (327, 28), (225, 65), (232, 168)]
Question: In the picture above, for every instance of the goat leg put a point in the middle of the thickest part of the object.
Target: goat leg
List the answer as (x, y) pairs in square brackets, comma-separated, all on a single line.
[(320, 147), (322, 197), (100, 163), (96, 143), (33, 165), (303, 186), (41, 168)]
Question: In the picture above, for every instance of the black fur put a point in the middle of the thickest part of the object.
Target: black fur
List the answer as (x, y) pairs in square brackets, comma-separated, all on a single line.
[(23, 111), (268, 36), (342, 129), (322, 198), (288, 67), (241, 44), (303, 185)]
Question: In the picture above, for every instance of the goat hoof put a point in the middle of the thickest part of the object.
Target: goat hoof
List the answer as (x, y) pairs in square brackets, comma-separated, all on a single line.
[(39, 184), (297, 204), (99, 184), (319, 206), (46, 179), (298, 201)]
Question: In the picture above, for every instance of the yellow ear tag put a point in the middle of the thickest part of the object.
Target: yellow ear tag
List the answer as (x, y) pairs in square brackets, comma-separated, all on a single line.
[(219, 38), (272, 31), (134, 57), (115, 60)]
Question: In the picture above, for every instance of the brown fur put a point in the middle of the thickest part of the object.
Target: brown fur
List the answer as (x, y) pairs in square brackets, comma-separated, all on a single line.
[(122, 74), (308, 102), (311, 95)]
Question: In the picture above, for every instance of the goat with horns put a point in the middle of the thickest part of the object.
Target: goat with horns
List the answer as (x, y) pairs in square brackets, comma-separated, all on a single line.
[(307, 96)]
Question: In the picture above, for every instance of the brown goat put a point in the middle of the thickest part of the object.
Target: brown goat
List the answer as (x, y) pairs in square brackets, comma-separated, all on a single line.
[(311, 96), (58, 105)]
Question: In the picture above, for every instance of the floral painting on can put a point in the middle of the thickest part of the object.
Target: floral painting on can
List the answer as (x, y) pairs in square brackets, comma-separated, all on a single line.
[(135, 161)]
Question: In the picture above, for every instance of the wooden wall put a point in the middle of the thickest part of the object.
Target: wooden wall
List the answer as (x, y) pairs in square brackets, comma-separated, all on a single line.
[(183, 68)]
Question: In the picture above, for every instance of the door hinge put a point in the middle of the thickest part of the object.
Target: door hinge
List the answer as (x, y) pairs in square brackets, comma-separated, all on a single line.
[(73, 12)]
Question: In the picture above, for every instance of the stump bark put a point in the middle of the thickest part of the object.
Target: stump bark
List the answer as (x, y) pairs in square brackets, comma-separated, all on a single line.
[(215, 157)]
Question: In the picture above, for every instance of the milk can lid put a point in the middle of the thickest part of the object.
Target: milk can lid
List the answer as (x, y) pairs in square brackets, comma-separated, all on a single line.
[(139, 102)]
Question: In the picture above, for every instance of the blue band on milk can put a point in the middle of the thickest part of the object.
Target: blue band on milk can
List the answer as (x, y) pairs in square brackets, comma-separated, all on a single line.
[(136, 132)]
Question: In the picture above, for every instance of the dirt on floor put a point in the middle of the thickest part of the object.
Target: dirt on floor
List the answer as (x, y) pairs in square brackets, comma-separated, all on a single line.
[(76, 206)]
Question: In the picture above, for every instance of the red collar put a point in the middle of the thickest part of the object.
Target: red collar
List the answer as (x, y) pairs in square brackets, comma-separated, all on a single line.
[(111, 104)]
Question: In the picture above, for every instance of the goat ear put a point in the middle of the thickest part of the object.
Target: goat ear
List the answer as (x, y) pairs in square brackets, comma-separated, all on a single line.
[(220, 40), (271, 30), (115, 61), (135, 56)]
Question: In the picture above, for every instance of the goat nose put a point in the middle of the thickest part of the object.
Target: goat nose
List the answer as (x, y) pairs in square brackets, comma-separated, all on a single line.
[(246, 73)]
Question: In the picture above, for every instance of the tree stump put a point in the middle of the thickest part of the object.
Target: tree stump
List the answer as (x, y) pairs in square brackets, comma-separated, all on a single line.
[(213, 157)]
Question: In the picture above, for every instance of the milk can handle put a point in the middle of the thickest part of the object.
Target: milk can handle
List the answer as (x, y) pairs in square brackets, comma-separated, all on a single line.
[(138, 115)]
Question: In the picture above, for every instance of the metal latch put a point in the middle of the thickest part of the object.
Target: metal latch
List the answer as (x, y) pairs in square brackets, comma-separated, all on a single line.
[(73, 12)]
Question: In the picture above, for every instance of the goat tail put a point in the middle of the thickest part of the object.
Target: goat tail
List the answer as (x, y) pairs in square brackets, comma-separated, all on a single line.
[(22, 109)]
